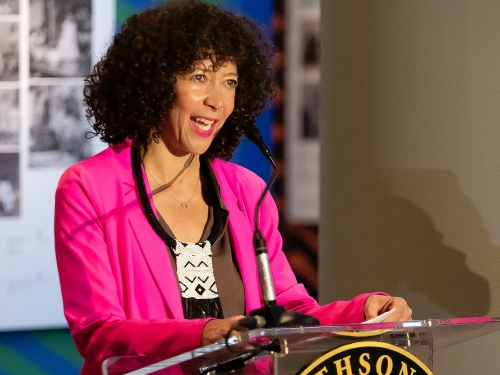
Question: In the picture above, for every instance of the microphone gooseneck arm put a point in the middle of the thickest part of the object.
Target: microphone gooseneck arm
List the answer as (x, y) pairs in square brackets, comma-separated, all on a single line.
[(259, 242), (273, 314)]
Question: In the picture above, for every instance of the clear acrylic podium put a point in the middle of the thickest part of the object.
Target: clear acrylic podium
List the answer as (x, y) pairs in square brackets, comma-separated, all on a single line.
[(298, 346)]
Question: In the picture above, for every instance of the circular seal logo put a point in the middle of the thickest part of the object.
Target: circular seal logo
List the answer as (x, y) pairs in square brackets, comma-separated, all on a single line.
[(366, 358)]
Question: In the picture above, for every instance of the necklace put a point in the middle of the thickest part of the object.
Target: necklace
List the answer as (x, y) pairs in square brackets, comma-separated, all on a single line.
[(184, 204), (167, 185)]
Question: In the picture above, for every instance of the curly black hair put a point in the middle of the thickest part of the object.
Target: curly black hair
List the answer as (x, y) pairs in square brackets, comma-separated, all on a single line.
[(131, 89)]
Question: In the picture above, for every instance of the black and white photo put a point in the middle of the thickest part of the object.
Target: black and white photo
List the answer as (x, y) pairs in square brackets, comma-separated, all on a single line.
[(60, 38), (9, 184), (310, 44), (58, 126), (310, 110), (9, 6), (9, 117), (9, 51)]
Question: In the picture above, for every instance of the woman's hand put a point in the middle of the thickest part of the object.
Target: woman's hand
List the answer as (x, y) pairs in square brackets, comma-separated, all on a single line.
[(378, 304), (215, 330)]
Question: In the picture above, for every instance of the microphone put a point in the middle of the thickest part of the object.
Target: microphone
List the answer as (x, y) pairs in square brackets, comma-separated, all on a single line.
[(253, 134), (270, 312), (273, 315)]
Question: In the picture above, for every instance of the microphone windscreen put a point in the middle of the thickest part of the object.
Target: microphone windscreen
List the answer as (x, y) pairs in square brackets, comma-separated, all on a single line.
[(252, 322), (253, 134)]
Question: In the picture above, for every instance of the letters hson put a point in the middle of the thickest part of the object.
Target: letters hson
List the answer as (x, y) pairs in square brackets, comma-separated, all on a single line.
[(343, 366)]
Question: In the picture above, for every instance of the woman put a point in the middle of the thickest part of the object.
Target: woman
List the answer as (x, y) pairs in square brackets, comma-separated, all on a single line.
[(154, 234)]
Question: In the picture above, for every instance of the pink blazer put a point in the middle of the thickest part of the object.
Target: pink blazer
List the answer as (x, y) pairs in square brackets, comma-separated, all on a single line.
[(119, 289)]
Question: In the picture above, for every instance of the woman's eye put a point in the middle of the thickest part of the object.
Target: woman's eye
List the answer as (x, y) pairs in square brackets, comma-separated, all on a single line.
[(199, 77), (232, 82)]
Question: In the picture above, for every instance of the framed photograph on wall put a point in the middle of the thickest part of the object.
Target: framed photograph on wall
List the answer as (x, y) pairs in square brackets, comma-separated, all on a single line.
[(58, 126), (9, 184), (9, 118), (9, 51), (9, 6), (60, 38)]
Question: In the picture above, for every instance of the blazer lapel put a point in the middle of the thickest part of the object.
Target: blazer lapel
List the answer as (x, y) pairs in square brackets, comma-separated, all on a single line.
[(155, 253), (153, 249)]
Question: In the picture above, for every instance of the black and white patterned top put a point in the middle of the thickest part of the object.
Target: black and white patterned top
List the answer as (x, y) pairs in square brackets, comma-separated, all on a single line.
[(195, 270)]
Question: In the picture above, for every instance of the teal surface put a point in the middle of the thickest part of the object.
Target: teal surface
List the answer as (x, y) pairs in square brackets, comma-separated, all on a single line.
[(47, 352)]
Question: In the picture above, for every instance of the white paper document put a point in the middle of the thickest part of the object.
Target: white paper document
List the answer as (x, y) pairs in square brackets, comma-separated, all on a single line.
[(379, 318)]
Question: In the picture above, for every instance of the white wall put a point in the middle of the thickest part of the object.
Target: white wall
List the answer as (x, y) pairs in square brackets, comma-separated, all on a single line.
[(410, 146)]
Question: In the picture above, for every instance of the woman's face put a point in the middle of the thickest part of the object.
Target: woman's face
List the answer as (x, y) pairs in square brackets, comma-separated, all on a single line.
[(205, 99)]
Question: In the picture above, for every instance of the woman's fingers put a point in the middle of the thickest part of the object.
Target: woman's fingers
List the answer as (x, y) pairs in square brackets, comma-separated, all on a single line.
[(378, 304), (216, 329)]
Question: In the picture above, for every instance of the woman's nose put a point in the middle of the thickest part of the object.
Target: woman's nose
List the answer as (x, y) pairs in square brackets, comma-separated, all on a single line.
[(215, 97)]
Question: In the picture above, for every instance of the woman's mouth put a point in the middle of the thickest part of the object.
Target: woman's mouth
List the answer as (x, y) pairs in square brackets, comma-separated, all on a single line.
[(203, 126)]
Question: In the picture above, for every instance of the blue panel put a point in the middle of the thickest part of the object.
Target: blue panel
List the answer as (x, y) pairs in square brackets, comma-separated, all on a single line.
[(260, 11), (247, 154)]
